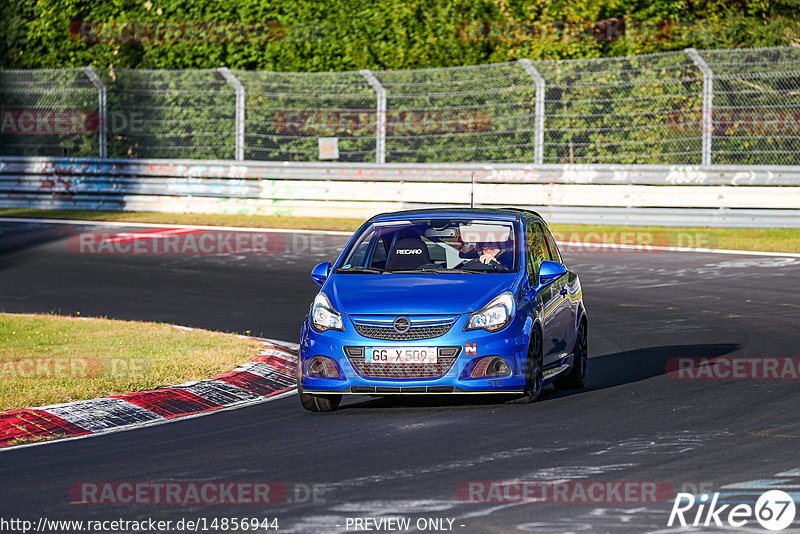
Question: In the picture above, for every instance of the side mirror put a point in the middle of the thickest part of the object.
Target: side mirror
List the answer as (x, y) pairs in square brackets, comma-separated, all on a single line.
[(549, 271), (321, 272)]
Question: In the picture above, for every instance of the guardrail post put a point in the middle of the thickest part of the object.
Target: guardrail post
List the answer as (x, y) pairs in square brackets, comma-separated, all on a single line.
[(538, 111), (708, 96), (239, 88), (380, 121), (101, 107)]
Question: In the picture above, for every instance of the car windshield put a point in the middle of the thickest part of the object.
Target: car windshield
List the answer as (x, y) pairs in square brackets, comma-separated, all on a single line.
[(434, 245)]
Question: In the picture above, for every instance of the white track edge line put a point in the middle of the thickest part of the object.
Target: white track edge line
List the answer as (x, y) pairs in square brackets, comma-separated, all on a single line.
[(609, 247), (647, 248), (191, 226)]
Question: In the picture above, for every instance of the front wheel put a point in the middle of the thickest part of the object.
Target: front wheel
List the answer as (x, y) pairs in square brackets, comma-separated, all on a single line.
[(576, 378), (534, 372), (318, 403), (315, 403)]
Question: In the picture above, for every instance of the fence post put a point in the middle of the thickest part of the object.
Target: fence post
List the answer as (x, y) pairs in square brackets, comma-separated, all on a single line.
[(239, 88), (538, 111), (708, 96), (101, 107), (380, 121)]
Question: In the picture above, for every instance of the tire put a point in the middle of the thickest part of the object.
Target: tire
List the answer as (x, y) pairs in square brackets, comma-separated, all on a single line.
[(316, 403), (534, 372), (576, 378)]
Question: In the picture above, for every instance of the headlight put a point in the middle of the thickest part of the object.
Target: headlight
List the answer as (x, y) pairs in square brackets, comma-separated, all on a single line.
[(323, 316), (494, 316)]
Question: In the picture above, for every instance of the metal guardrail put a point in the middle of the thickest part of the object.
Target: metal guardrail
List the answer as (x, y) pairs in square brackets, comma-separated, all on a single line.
[(756, 196), (433, 172)]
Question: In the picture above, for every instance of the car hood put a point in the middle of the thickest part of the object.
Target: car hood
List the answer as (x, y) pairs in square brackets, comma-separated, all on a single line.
[(395, 294)]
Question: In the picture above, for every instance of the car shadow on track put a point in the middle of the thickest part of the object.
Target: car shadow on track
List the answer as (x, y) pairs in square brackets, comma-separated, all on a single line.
[(611, 370), (606, 371)]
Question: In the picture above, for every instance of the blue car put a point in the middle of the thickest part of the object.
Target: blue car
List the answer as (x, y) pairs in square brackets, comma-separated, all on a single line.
[(444, 301)]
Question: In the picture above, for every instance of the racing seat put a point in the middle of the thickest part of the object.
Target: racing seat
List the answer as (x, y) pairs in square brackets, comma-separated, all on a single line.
[(408, 253)]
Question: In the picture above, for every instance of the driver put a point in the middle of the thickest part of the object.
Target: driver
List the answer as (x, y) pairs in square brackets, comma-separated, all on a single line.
[(489, 254), (492, 254), (499, 255)]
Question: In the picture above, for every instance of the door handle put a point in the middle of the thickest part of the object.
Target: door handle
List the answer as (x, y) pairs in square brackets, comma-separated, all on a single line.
[(563, 291)]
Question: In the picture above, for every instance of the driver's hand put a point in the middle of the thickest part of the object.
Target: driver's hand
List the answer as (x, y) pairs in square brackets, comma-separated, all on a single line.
[(488, 257)]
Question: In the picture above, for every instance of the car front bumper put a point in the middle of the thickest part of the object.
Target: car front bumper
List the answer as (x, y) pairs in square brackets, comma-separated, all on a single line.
[(510, 343)]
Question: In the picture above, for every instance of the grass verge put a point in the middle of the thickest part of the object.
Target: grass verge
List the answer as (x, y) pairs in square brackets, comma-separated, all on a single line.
[(49, 359), (753, 239), (201, 219)]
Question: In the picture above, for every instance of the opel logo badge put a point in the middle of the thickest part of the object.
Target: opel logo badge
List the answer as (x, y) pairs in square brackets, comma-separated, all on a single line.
[(401, 325)]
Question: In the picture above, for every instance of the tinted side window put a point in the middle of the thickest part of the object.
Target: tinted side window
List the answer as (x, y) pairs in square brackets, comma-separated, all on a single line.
[(537, 249), (555, 255), (359, 255), (379, 254)]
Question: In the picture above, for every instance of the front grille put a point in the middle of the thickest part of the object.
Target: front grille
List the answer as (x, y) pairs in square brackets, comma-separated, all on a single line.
[(445, 358), (389, 334)]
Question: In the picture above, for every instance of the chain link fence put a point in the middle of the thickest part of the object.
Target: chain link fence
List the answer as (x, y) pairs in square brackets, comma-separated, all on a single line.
[(639, 109), (286, 113), (481, 113), (48, 113), (169, 114), (756, 105), (737, 106)]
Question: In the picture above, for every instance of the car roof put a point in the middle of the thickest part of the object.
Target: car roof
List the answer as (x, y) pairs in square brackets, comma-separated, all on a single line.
[(505, 214)]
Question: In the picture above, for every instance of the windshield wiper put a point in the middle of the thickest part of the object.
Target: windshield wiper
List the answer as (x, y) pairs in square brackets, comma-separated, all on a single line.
[(367, 270), (439, 270)]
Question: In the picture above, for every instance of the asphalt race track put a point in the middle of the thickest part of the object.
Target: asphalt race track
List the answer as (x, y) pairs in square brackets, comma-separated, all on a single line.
[(379, 458)]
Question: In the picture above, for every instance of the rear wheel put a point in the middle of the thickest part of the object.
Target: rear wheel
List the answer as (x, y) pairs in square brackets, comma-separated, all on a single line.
[(576, 378), (534, 373)]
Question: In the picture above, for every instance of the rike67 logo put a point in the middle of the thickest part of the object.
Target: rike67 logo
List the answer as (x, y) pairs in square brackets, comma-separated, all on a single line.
[(774, 510)]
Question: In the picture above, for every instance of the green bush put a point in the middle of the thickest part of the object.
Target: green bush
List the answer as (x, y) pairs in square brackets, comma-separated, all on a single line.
[(341, 35)]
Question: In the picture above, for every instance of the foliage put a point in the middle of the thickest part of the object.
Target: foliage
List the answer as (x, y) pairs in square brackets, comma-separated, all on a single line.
[(341, 35)]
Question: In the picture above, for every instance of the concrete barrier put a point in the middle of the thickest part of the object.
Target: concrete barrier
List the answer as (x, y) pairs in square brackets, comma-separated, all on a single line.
[(612, 194)]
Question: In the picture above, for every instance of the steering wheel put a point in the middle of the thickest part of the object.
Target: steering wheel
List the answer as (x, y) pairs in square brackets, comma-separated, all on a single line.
[(478, 265)]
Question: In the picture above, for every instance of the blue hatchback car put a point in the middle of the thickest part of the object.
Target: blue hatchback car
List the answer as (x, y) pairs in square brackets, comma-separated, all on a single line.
[(444, 301)]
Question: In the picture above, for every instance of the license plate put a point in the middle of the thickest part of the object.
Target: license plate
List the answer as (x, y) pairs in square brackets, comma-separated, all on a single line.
[(400, 355)]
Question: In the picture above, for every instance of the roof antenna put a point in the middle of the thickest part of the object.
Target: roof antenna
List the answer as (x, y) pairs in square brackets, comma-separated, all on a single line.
[(472, 191)]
